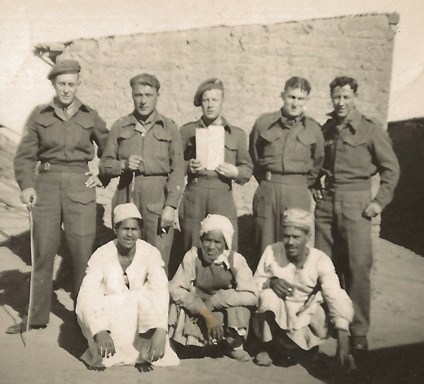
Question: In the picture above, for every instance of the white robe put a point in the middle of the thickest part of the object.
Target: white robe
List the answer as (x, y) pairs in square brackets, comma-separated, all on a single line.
[(106, 303), (305, 324)]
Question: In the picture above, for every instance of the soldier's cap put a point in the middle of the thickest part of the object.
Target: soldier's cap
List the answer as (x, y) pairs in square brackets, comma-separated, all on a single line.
[(204, 86), (64, 66), (145, 79), (298, 218), (125, 211)]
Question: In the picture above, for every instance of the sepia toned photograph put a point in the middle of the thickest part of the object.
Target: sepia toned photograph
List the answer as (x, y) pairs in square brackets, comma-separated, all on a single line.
[(211, 191)]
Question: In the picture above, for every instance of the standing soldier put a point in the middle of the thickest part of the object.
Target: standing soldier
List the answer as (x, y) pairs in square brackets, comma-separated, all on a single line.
[(287, 150), (144, 150), (60, 136), (356, 148), (210, 191)]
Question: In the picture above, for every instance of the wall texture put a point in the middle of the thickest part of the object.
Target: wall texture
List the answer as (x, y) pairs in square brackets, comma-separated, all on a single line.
[(253, 61)]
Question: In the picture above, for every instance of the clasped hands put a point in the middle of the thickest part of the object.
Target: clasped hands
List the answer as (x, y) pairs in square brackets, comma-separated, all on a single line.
[(225, 169)]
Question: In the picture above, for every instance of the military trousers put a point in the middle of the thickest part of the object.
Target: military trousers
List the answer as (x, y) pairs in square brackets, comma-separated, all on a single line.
[(202, 197), (148, 194), (344, 234), (62, 198), (271, 199)]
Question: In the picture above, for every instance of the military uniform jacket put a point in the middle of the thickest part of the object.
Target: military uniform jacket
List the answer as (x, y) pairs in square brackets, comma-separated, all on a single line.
[(356, 152), (50, 138), (277, 147), (236, 152), (159, 145)]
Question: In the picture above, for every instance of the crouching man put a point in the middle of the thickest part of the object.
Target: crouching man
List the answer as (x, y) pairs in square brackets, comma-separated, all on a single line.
[(296, 283)]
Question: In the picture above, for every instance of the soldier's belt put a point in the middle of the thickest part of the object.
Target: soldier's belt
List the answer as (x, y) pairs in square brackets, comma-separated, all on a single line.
[(285, 178), (74, 167)]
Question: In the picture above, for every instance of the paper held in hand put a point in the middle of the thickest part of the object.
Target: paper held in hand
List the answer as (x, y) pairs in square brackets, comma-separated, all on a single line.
[(210, 146)]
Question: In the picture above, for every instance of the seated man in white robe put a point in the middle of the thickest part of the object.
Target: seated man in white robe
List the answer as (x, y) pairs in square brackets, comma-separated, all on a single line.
[(296, 283), (122, 307)]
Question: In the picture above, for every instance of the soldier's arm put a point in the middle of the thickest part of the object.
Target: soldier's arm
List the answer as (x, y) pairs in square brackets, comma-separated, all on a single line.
[(26, 155), (243, 160), (253, 140), (317, 153), (175, 182), (100, 134), (387, 165), (109, 165)]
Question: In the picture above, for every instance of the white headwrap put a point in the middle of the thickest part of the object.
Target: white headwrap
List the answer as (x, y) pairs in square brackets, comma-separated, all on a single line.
[(298, 218), (125, 211), (218, 223)]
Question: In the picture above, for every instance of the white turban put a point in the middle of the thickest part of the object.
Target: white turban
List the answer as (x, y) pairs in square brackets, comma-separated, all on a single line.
[(125, 211), (218, 223), (298, 218)]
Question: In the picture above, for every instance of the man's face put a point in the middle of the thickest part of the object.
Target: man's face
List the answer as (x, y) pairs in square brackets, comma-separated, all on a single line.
[(66, 86), (343, 99), (295, 240), (212, 101), (213, 244), (145, 99), (294, 100), (127, 233)]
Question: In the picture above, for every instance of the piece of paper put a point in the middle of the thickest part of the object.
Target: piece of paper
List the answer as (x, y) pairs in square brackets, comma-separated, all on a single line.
[(210, 146)]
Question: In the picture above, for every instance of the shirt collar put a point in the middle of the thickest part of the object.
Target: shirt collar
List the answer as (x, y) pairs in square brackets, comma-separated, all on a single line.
[(224, 122), (284, 120), (353, 120), (155, 117)]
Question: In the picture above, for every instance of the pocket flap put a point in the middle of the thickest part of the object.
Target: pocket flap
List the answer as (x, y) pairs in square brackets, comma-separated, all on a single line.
[(355, 141), (45, 120), (84, 121), (271, 134), (230, 143), (83, 197), (155, 208), (161, 134), (306, 138)]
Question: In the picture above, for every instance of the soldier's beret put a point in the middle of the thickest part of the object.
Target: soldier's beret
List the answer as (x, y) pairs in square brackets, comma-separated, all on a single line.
[(145, 79), (204, 86), (64, 66)]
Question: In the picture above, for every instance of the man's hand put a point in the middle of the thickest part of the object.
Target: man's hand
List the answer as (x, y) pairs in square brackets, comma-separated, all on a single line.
[(195, 166), (29, 197), (316, 194), (132, 163), (157, 345), (214, 327), (167, 218), (281, 287), (372, 210), (105, 345), (228, 170), (343, 348), (93, 180)]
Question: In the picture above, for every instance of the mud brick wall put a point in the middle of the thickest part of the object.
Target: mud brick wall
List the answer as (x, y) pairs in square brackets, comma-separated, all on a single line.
[(253, 61)]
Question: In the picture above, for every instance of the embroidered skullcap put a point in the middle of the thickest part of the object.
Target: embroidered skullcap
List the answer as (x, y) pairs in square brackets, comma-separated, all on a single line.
[(64, 66), (218, 223), (204, 86), (125, 211), (298, 218), (145, 79)]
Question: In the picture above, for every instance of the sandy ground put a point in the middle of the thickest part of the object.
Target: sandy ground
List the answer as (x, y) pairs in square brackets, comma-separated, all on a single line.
[(51, 355)]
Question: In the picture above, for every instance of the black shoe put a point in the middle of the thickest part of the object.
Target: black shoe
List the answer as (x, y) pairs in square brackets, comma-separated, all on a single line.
[(359, 343), (22, 327)]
